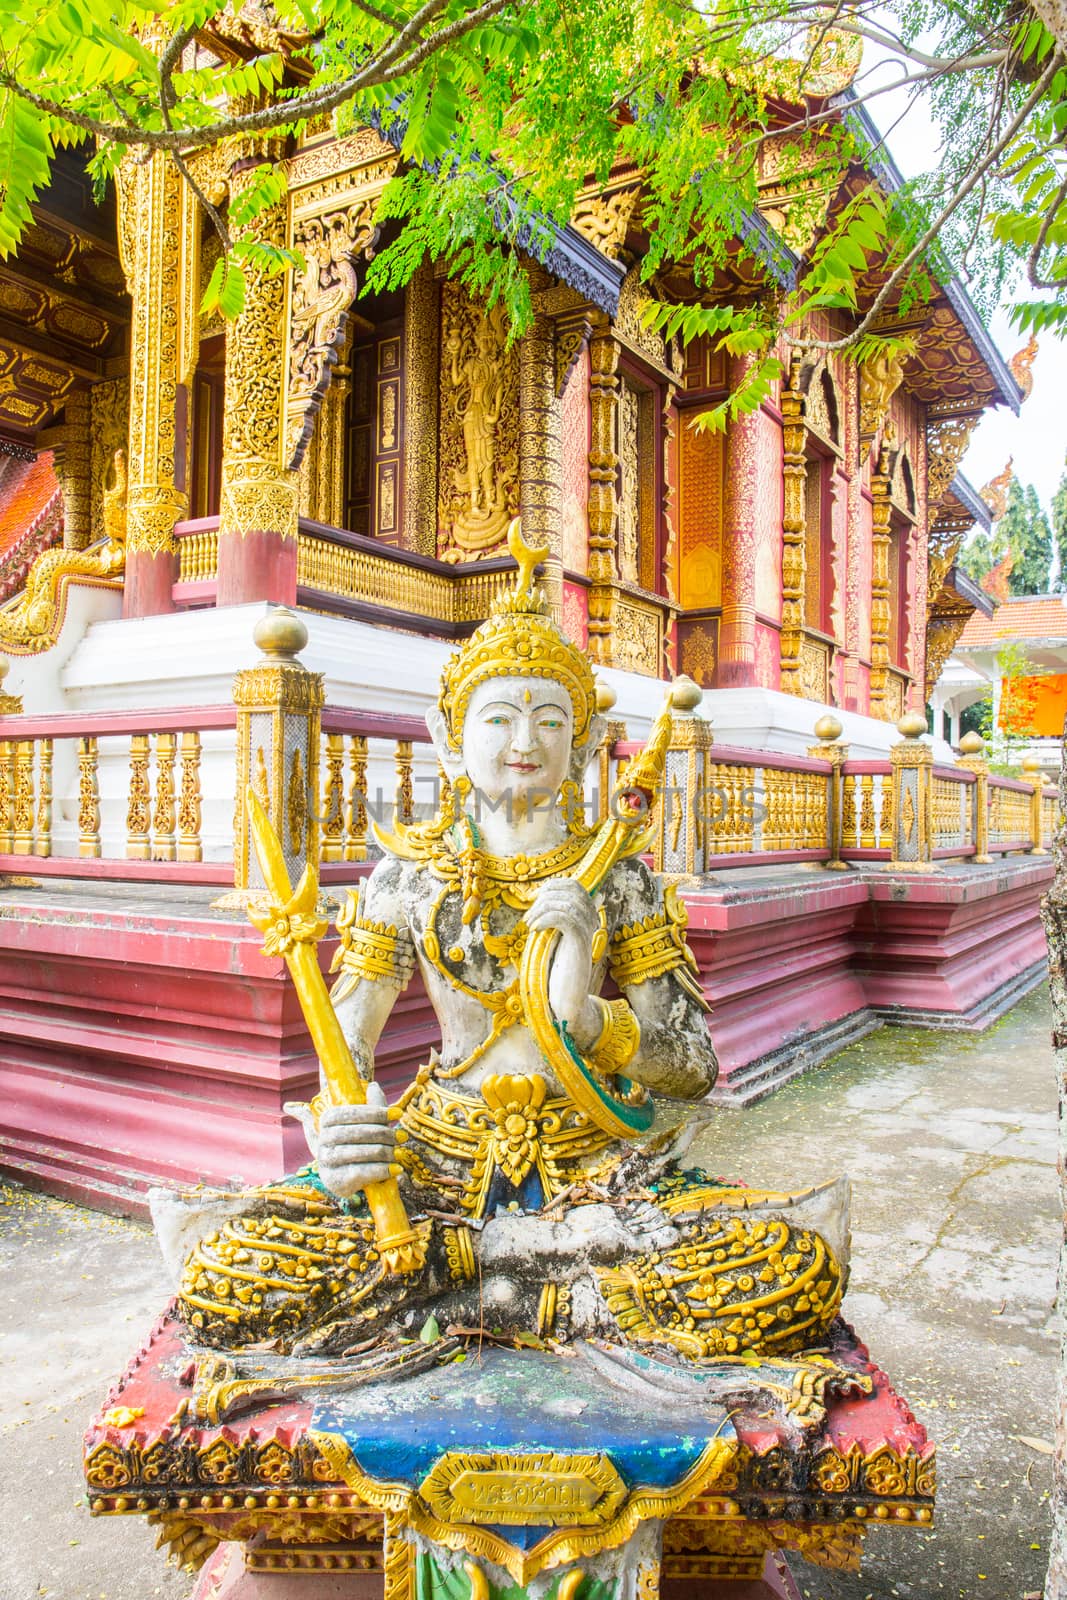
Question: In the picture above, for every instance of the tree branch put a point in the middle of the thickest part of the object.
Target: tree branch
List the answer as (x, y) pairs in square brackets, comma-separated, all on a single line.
[(919, 249)]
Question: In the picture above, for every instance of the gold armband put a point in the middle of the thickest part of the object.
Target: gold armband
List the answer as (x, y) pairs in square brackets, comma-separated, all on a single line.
[(377, 951), (617, 1042), (654, 946)]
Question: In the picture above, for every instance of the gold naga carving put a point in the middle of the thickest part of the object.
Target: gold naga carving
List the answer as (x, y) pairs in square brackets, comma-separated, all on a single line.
[(322, 295), (479, 475), (1021, 364), (880, 377), (995, 492), (33, 622), (947, 438), (943, 628), (604, 218)]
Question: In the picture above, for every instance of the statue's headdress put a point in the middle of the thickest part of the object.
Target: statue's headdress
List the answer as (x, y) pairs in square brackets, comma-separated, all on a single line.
[(519, 640)]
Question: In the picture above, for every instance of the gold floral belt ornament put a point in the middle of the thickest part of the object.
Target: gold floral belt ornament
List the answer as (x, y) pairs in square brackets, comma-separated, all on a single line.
[(511, 1128), (620, 1107)]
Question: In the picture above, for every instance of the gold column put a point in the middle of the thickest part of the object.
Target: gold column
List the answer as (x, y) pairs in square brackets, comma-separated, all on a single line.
[(913, 772), (603, 510), (540, 453), (1032, 773), (881, 512), (258, 500), (794, 519), (828, 730), (279, 712), (418, 529), (74, 471), (972, 759), (158, 242)]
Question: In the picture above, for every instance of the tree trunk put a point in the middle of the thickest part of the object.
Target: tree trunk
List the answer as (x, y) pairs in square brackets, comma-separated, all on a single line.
[(1053, 14), (1054, 916)]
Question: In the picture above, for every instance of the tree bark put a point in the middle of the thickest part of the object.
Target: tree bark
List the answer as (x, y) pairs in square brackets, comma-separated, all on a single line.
[(1054, 916), (1053, 13)]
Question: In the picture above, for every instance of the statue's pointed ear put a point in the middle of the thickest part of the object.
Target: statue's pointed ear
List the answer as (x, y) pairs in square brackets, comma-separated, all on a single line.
[(583, 754), (451, 760)]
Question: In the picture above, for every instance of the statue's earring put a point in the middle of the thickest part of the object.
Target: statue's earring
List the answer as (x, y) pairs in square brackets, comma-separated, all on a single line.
[(572, 806)]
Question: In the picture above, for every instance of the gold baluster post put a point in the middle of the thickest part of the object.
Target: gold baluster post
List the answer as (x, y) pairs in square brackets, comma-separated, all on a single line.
[(828, 731), (333, 799), (190, 847), (972, 759), (23, 807), (139, 800), (685, 784), (404, 802), (913, 766), (1032, 773), (43, 843), (7, 793), (356, 810), (164, 818), (88, 797), (279, 711)]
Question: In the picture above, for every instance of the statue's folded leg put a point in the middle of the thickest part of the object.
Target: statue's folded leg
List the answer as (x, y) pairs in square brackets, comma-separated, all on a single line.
[(288, 1269), (734, 1282)]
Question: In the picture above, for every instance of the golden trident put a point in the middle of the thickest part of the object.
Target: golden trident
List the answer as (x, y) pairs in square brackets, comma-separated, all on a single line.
[(291, 928)]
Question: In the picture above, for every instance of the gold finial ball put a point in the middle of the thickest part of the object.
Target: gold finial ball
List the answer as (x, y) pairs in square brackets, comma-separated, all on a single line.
[(605, 697), (281, 633), (972, 744), (1031, 763), (829, 728), (912, 725), (685, 694)]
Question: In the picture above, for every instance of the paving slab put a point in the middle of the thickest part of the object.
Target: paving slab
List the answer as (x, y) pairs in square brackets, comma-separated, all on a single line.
[(950, 1142)]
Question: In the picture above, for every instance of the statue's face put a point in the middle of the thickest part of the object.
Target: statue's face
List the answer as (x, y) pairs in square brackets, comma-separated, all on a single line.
[(517, 739)]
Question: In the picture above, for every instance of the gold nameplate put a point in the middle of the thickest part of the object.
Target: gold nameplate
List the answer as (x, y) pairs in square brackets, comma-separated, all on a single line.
[(556, 1490)]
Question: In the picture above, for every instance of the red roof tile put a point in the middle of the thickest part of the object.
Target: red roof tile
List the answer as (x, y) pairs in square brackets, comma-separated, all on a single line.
[(28, 498), (1042, 616)]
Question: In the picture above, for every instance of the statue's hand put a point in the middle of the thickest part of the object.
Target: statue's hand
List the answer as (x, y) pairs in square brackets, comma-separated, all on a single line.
[(564, 905), (355, 1145)]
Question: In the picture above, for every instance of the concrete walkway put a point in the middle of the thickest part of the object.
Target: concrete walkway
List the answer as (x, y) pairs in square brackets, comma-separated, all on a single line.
[(949, 1140)]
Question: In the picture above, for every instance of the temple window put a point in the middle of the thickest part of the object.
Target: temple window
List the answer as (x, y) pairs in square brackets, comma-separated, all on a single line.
[(818, 541), (205, 427), (899, 607), (700, 481), (639, 449), (374, 432)]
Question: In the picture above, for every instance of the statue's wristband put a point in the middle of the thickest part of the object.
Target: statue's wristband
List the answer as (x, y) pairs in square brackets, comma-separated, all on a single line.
[(620, 1034)]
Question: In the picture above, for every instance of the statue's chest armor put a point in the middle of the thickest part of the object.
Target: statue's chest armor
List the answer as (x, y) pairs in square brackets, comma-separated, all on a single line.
[(480, 957)]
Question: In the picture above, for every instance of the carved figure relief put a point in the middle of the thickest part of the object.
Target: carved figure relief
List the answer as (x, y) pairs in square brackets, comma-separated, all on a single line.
[(880, 378), (479, 481), (322, 295), (604, 218)]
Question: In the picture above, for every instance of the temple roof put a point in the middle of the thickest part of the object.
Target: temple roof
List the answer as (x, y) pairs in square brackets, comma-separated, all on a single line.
[(957, 366), (1040, 616)]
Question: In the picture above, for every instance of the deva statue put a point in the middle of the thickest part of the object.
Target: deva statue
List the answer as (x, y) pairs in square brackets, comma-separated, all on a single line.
[(540, 1153)]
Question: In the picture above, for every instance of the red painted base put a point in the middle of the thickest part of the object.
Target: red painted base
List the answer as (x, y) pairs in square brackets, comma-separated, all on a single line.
[(795, 969), (777, 1583), (144, 1040), (225, 1577), (145, 1046), (256, 566), (149, 580)]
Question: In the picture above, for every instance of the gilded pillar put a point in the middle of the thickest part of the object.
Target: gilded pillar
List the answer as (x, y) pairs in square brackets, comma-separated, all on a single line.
[(737, 625), (258, 501), (881, 541), (541, 453), (603, 509), (912, 778), (794, 520), (158, 241), (74, 471), (418, 530)]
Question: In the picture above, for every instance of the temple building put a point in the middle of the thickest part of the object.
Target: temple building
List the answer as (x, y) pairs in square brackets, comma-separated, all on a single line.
[(164, 477)]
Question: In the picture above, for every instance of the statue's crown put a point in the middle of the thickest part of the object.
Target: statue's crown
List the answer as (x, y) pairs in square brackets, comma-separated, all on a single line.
[(519, 640)]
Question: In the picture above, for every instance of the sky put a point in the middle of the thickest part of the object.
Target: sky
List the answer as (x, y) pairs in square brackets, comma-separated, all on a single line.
[(1036, 439)]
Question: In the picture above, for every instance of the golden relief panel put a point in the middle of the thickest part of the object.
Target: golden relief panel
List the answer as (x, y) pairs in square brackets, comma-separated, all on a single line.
[(700, 517), (636, 637), (478, 478)]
